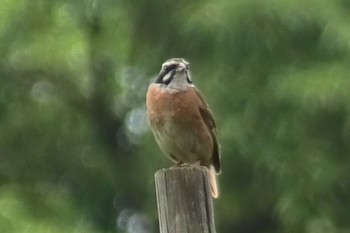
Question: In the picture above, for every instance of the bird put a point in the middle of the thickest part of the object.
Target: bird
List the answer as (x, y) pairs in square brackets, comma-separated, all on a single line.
[(181, 120)]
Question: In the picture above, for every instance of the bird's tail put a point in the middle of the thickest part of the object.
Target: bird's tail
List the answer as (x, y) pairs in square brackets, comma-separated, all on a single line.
[(213, 182)]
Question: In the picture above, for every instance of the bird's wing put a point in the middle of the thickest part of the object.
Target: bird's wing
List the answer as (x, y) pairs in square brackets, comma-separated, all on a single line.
[(209, 121)]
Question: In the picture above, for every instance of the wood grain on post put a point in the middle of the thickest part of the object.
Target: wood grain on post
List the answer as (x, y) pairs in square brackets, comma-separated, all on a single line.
[(184, 200)]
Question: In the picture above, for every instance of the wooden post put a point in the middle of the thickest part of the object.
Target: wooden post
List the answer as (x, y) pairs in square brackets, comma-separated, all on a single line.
[(184, 200)]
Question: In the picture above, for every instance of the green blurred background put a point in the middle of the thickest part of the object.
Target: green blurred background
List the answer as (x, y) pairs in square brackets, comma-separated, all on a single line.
[(77, 155)]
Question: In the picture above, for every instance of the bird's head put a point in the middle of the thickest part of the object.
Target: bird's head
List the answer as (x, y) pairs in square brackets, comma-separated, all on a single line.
[(175, 73)]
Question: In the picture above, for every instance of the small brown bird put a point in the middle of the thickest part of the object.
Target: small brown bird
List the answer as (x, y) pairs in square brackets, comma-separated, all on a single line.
[(181, 121)]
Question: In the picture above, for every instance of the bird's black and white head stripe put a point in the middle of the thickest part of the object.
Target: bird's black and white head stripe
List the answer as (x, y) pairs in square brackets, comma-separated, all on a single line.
[(170, 68)]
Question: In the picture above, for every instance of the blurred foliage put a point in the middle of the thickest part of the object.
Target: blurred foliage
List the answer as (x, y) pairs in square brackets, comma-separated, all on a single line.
[(76, 154)]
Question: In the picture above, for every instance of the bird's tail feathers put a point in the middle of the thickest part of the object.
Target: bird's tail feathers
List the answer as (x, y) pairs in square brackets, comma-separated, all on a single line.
[(213, 182)]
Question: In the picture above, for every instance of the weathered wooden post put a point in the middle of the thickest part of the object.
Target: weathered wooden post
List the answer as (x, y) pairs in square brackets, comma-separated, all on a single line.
[(184, 200)]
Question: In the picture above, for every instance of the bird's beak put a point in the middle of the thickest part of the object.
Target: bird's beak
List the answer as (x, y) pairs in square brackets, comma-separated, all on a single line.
[(181, 67)]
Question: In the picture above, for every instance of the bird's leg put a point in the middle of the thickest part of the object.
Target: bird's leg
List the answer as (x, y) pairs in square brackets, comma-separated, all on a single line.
[(178, 164)]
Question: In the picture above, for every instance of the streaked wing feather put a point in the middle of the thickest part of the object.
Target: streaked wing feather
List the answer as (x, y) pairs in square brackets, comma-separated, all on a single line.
[(208, 118)]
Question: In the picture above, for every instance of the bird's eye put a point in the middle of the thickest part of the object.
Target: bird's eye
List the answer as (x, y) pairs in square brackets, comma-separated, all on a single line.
[(166, 74), (170, 67)]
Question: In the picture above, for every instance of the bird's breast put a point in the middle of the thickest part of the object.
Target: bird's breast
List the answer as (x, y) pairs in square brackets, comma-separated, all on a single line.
[(177, 123)]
